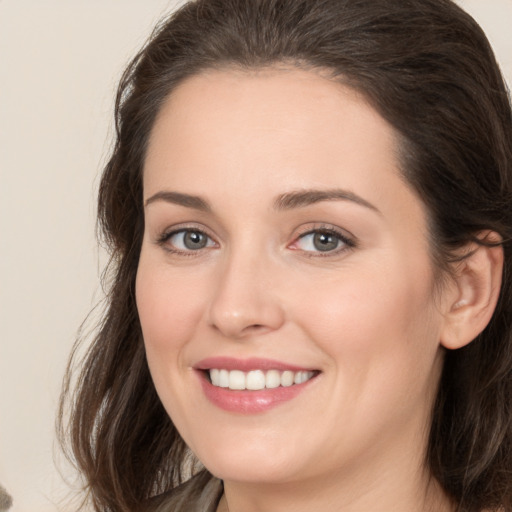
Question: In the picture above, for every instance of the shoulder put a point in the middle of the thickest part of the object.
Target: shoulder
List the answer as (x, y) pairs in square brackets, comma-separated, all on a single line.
[(199, 494)]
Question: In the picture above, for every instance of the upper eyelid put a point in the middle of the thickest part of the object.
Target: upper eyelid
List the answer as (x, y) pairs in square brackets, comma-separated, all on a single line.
[(172, 230), (330, 228), (302, 231), (348, 240), (163, 241)]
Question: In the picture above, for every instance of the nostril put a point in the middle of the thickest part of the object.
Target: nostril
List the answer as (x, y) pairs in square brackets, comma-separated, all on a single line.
[(254, 327)]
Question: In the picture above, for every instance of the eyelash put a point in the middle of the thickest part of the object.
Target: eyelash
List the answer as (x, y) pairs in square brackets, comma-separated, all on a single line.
[(163, 240), (347, 243)]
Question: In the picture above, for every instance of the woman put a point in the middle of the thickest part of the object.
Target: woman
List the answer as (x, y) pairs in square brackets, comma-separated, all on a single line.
[(308, 207)]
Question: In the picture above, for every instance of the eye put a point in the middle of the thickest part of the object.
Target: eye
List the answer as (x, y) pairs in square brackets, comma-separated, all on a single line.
[(322, 241), (186, 240)]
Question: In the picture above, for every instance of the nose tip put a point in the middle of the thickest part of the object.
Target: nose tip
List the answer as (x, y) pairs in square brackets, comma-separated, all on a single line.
[(235, 324), (244, 305)]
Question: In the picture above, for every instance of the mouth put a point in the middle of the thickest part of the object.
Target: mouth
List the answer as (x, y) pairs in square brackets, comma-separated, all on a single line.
[(257, 380), (251, 386)]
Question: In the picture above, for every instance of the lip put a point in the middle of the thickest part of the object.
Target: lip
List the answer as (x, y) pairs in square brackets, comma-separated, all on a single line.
[(246, 365), (245, 401)]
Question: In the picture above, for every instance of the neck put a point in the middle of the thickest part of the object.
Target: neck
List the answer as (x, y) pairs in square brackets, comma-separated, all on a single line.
[(298, 499)]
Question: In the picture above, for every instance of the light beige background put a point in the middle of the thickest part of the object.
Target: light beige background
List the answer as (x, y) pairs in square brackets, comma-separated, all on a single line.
[(59, 63)]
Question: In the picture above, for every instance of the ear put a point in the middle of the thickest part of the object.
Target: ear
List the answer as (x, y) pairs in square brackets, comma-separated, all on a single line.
[(474, 292)]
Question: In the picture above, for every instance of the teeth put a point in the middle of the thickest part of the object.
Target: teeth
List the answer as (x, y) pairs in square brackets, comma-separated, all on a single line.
[(287, 378), (214, 377), (257, 379), (223, 378), (236, 379), (272, 379), (300, 377)]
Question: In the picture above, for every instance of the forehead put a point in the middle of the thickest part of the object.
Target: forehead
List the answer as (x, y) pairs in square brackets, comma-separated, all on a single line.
[(256, 135), (268, 117)]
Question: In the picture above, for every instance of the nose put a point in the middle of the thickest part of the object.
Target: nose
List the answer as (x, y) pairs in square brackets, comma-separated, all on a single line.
[(245, 301)]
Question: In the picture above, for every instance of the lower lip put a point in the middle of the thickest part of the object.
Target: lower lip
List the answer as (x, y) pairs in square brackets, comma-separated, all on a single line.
[(250, 402)]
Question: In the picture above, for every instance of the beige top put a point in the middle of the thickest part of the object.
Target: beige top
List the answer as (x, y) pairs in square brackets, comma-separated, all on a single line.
[(201, 493)]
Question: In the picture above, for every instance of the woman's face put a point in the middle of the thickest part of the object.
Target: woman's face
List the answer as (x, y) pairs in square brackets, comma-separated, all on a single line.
[(281, 244)]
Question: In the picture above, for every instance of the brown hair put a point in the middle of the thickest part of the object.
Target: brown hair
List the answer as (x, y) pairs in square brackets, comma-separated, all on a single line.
[(427, 67)]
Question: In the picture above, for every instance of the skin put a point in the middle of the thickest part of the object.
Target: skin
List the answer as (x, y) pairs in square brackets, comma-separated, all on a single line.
[(368, 317)]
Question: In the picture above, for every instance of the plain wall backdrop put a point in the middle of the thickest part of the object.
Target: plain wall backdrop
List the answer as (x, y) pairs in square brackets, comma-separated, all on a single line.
[(60, 61)]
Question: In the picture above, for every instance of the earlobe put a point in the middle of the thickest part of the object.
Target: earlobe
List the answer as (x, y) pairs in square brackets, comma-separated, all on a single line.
[(477, 284)]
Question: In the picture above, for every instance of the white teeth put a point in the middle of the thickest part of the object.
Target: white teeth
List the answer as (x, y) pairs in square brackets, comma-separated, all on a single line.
[(223, 379), (236, 379), (214, 376), (272, 379), (297, 379), (257, 379), (287, 378)]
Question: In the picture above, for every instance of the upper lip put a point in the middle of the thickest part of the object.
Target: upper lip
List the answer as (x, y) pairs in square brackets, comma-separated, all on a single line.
[(245, 365)]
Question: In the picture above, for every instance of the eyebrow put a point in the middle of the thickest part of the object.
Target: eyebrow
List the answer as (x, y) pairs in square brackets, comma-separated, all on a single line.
[(302, 198), (187, 200), (287, 201)]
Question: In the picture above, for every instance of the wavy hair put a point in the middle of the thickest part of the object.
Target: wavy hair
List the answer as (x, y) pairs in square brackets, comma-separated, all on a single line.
[(428, 69)]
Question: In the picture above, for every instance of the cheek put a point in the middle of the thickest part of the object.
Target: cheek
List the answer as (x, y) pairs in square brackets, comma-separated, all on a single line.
[(381, 320), (169, 309), (380, 337)]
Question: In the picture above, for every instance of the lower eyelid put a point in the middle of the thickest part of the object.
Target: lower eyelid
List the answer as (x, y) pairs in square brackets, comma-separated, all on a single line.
[(344, 244), (165, 238)]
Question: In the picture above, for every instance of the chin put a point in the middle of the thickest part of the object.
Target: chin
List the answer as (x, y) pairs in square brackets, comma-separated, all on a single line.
[(252, 464)]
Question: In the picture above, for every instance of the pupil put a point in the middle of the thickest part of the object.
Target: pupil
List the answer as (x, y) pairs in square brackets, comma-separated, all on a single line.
[(194, 240), (325, 242)]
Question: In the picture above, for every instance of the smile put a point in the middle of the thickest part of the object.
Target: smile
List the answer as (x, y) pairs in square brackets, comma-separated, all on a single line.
[(252, 386), (256, 380)]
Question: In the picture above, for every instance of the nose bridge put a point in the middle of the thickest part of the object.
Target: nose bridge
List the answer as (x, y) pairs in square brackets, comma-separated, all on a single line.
[(244, 300)]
